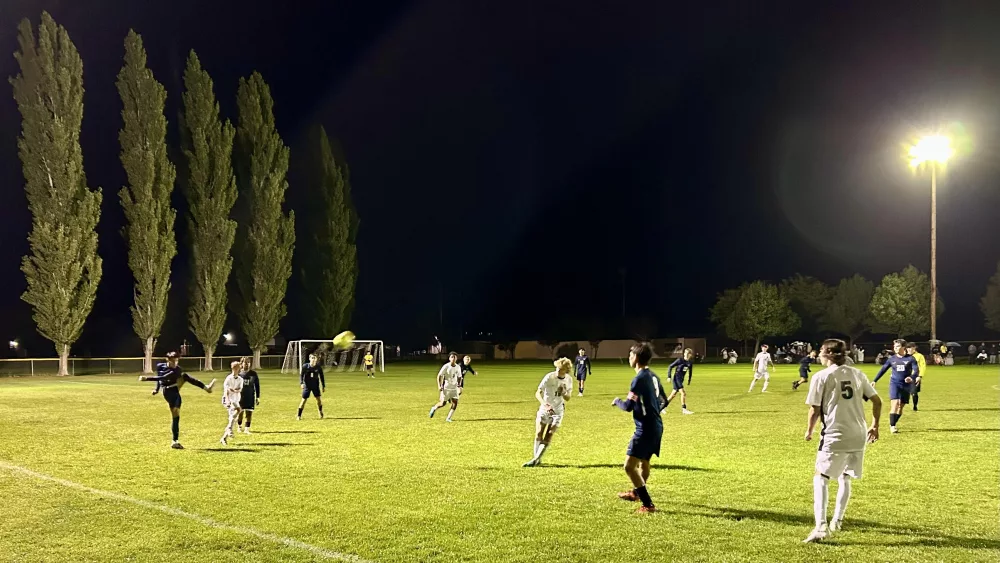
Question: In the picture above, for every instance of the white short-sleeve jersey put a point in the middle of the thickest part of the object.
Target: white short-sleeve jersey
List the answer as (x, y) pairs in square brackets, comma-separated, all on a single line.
[(232, 388), (552, 391), (762, 360), (452, 375), (839, 392)]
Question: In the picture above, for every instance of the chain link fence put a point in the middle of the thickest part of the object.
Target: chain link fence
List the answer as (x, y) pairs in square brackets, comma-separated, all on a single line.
[(110, 366)]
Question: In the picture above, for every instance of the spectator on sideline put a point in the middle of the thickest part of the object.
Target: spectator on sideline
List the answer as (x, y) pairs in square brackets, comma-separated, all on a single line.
[(972, 354), (993, 353)]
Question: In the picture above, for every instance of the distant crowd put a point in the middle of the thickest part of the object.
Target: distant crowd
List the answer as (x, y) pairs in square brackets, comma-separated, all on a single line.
[(941, 356)]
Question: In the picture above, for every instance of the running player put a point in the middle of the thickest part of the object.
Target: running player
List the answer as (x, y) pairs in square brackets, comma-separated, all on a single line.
[(170, 380), (370, 364), (804, 368), (250, 397), (836, 394), (681, 366), (761, 363), (450, 382), (311, 378), (911, 349), (466, 366), (904, 372), (555, 389), (645, 399), (582, 370), (232, 389)]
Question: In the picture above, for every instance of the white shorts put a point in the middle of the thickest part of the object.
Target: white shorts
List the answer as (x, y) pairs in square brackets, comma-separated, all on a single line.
[(762, 374), (550, 420), (449, 394), (834, 464)]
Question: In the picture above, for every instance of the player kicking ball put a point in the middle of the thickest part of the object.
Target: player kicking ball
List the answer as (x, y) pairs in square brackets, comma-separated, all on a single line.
[(905, 373), (170, 380), (645, 399), (804, 369), (761, 363), (232, 389), (555, 389), (837, 394), (311, 378), (449, 381), (681, 366)]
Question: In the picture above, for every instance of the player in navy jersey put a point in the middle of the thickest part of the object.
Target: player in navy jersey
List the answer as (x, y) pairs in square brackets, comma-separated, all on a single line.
[(311, 378), (250, 395), (170, 380), (582, 370), (645, 400), (804, 369), (676, 373), (905, 374)]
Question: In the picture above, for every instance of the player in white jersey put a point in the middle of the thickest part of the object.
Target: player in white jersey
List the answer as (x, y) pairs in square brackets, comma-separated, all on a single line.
[(449, 381), (837, 394), (761, 363), (232, 388), (555, 389)]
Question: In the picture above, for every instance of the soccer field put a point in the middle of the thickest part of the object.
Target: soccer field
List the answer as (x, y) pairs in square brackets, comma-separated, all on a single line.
[(86, 473)]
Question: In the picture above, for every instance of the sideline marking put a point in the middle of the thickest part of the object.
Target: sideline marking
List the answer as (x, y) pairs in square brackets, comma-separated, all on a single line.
[(289, 542)]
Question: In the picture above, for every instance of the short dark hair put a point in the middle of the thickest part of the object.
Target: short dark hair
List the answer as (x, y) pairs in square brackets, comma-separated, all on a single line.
[(835, 350), (900, 341), (171, 355), (450, 354), (643, 353), (764, 345)]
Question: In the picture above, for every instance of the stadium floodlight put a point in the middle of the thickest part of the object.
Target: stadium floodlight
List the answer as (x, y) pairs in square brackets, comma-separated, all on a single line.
[(934, 151), (13, 344), (228, 336)]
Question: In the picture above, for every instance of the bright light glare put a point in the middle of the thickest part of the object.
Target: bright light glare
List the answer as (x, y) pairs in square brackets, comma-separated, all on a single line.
[(13, 344), (228, 337), (936, 148)]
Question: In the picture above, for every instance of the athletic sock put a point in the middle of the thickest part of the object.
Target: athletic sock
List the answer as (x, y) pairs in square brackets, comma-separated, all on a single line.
[(752, 383), (300, 411), (534, 450), (820, 498), (898, 416), (248, 425), (540, 451), (684, 406), (892, 419), (643, 495), (843, 496), (175, 427), (916, 398)]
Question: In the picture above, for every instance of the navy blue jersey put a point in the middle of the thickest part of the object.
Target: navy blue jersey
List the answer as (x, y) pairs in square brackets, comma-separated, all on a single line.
[(645, 399), (168, 377), (467, 368), (311, 375), (251, 385), (583, 364), (901, 366), (804, 368), (682, 367)]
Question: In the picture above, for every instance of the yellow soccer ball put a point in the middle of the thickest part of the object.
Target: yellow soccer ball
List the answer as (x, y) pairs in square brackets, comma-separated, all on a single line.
[(343, 340)]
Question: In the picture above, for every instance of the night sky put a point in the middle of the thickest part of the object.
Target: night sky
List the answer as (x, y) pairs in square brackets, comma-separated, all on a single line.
[(509, 158)]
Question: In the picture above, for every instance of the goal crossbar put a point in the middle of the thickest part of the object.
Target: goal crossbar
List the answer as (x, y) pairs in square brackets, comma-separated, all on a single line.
[(349, 359)]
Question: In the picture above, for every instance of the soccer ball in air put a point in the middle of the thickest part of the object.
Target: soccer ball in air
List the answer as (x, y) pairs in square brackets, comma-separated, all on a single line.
[(343, 340)]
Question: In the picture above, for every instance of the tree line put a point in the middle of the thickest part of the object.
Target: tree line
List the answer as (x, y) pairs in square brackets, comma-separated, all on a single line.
[(899, 305), (234, 178)]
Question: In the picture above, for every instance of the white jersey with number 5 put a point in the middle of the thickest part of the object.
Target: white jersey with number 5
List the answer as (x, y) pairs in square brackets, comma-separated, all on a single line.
[(839, 392), (762, 360)]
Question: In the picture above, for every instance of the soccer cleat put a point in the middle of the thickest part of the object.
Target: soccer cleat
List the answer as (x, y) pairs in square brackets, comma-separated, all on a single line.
[(299, 417), (449, 420), (818, 534), (208, 388), (177, 445), (646, 509), (246, 431), (321, 416), (835, 526), (685, 411), (223, 441), (914, 409), (533, 462), (579, 394), (432, 412), (629, 496), (894, 430)]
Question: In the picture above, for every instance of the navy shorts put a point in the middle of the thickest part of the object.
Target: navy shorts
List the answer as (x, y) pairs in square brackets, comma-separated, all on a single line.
[(804, 375), (311, 388), (173, 397), (644, 445), (678, 383), (247, 402), (581, 376), (900, 391)]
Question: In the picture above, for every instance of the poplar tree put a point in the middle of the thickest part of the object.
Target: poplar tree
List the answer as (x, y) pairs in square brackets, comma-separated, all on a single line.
[(264, 255), (146, 201), (210, 189), (63, 268), (327, 258)]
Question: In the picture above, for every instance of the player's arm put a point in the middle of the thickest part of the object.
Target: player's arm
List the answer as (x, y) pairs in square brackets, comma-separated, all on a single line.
[(156, 378), (589, 372), (881, 372), (690, 373), (440, 378), (869, 393), (630, 401), (302, 376), (815, 401), (538, 395), (811, 421), (673, 366), (322, 378), (472, 370), (916, 370), (256, 388)]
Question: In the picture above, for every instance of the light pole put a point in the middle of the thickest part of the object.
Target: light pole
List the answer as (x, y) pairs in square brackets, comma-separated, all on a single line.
[(934, 150)]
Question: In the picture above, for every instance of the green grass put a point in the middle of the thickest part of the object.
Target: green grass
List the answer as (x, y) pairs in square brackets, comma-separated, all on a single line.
[(379, 480)]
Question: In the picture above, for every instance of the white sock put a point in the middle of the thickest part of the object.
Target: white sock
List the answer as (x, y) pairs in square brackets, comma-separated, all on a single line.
[(767, 379), (820, 499), (451, 412), (752, 383), (843, 496), (534, 451), (540, 451)]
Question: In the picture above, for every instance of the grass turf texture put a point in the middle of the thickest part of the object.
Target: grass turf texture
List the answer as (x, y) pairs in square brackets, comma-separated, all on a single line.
[(379, 480)]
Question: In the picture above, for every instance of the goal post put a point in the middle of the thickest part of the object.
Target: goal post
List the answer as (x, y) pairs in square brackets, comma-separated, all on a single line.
[(348, 359)]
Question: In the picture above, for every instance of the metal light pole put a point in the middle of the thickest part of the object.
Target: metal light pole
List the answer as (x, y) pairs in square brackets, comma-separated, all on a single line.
[(933, 251)]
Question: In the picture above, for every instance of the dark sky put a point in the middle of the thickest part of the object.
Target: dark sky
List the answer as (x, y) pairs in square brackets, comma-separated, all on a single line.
[(513, 156)]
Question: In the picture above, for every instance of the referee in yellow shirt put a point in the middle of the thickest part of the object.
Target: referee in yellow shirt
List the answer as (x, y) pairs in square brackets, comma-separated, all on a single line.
[(911, 349)]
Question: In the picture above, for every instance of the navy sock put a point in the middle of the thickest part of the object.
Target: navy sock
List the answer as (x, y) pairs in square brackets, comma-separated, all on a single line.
[(175, 427), (643, 495), (898, 416), (300, 411), (916, 398), (892, 419), (321, 410), (684, 406)]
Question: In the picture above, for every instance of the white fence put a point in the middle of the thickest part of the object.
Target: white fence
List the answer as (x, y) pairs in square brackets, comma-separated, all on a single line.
[(106, 366)]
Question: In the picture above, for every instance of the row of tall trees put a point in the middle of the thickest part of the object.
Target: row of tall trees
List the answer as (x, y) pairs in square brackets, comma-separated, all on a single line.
[(897, 306), (234, 180)]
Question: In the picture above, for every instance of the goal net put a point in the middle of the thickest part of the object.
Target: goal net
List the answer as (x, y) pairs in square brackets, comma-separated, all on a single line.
[(332, 359)]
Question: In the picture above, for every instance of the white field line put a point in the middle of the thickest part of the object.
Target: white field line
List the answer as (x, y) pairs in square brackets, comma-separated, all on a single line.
[(286, 541)]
